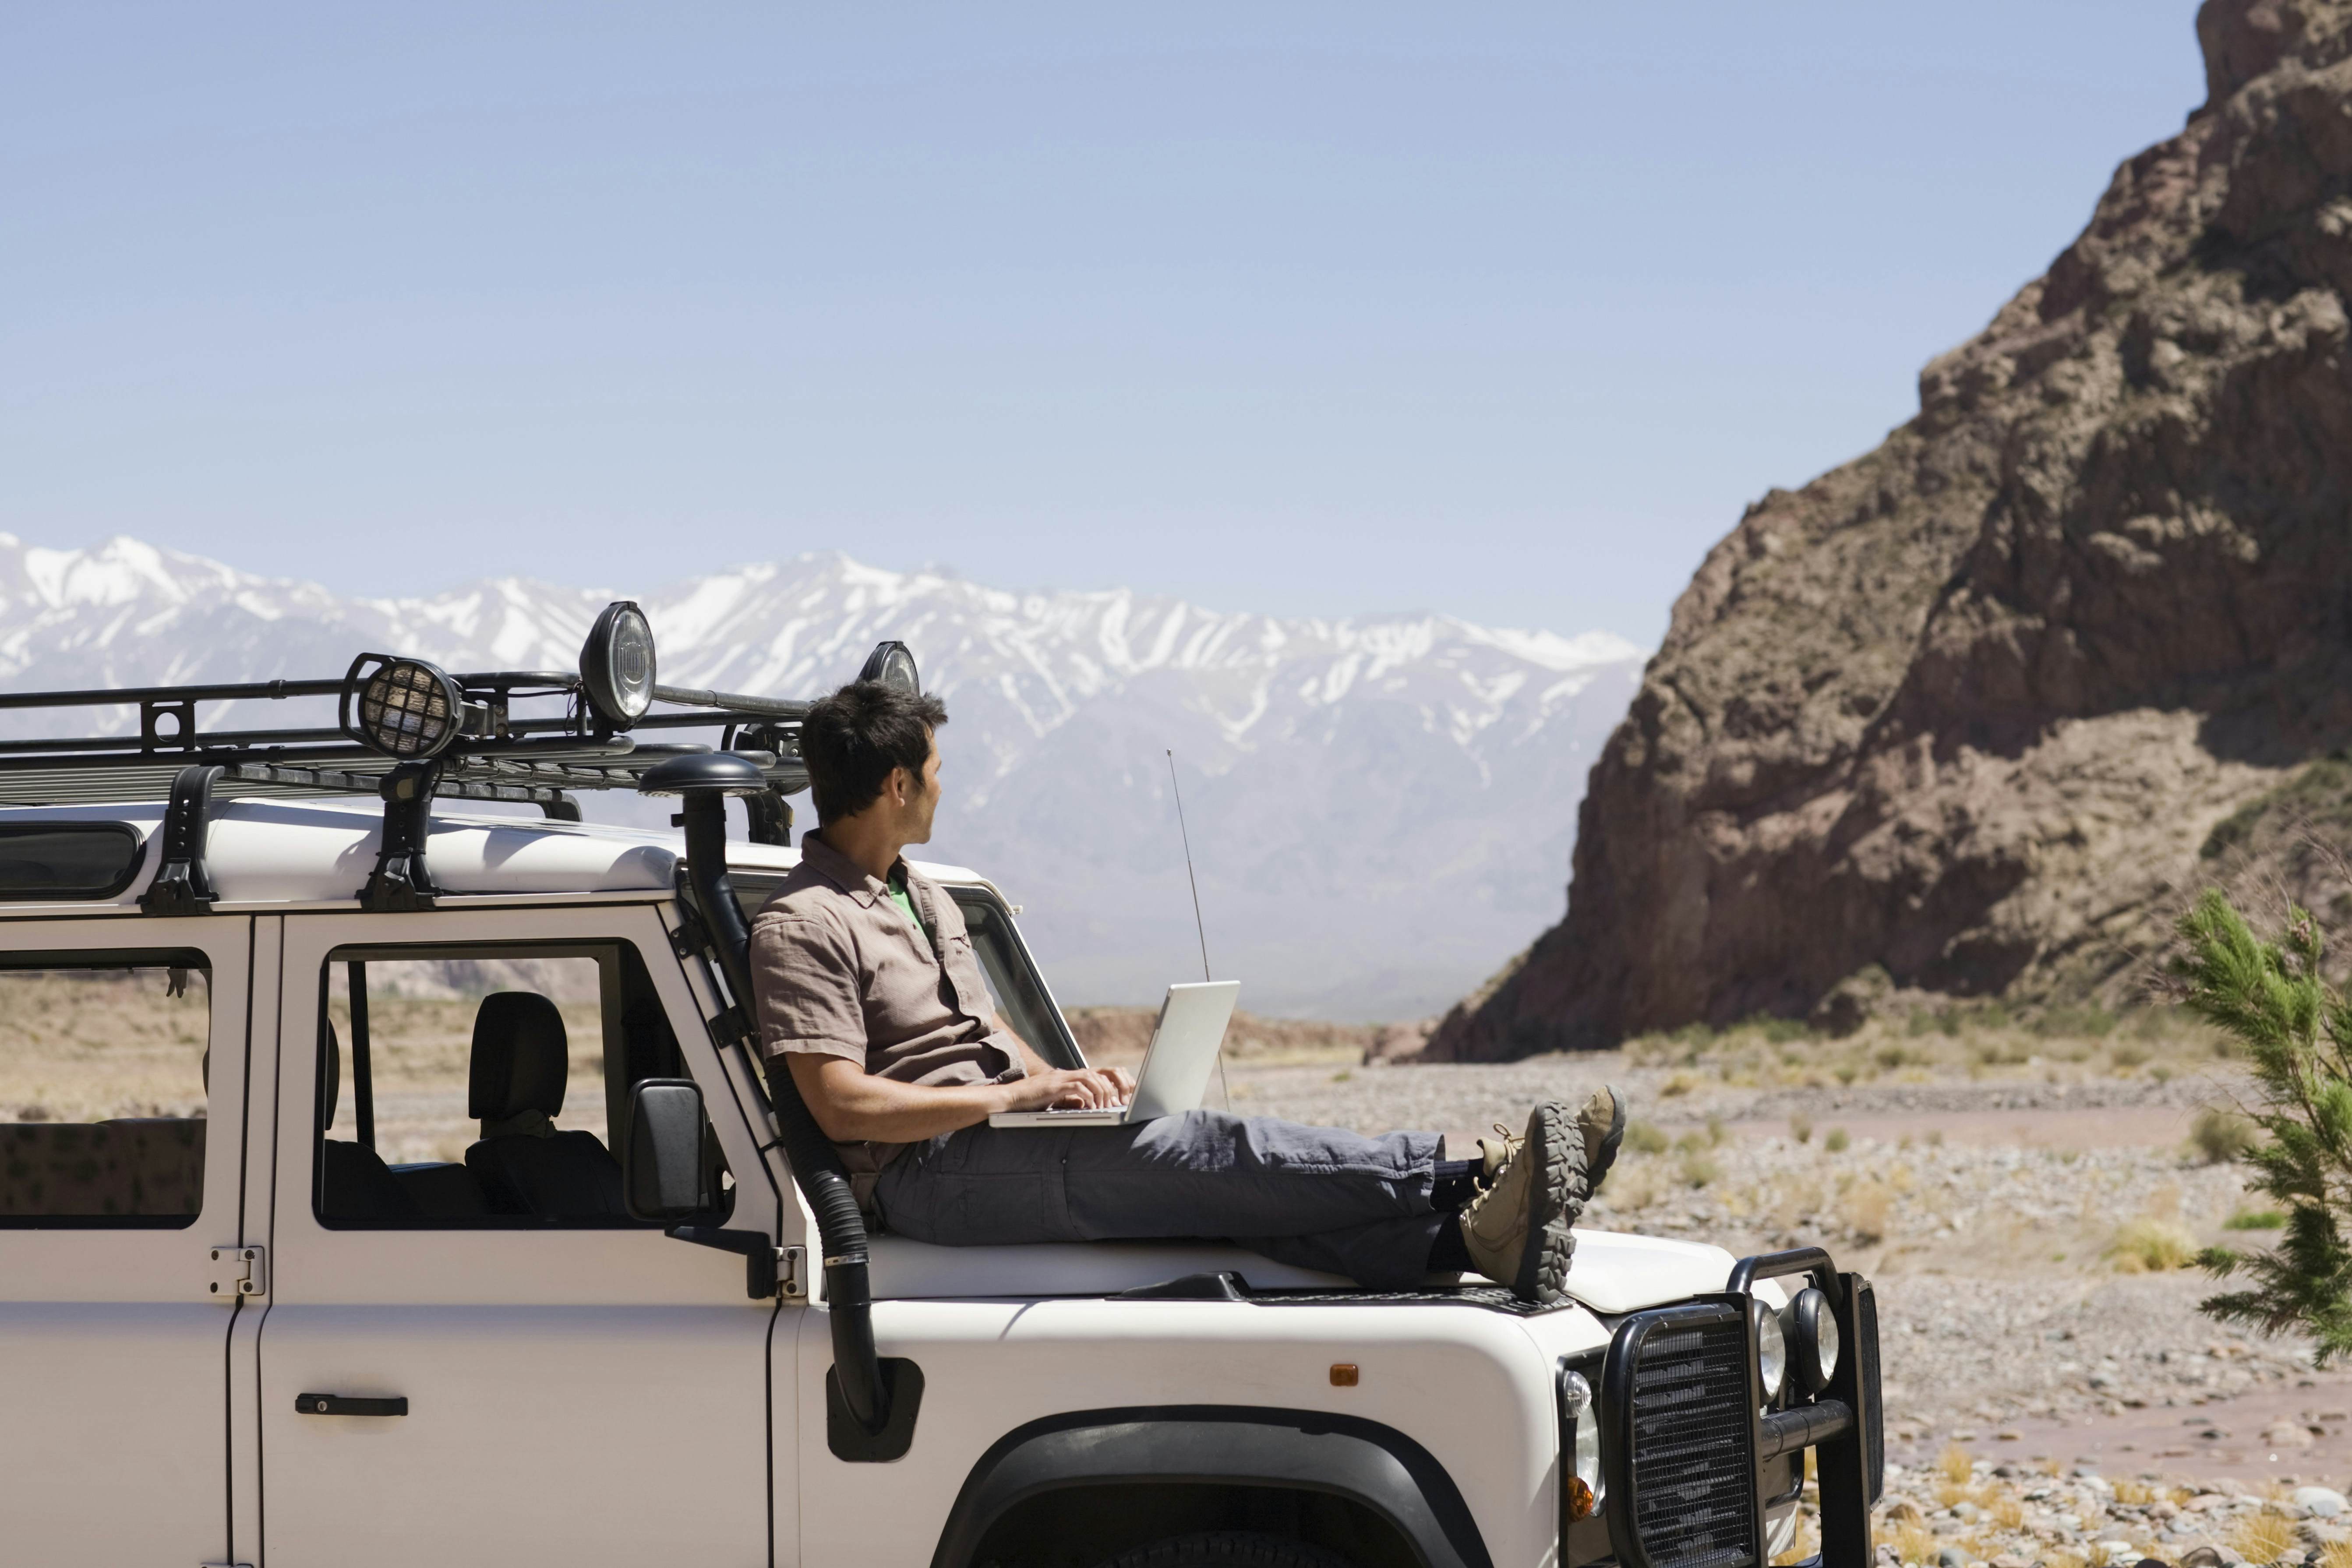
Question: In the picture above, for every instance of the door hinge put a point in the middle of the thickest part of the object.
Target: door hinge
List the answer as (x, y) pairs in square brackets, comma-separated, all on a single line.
[(240, 1272), (224, 1565), (791, 1273)]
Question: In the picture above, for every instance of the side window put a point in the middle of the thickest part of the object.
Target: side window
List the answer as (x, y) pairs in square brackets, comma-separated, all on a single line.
[(102, 1067), (480, 1086), (1013, 982)]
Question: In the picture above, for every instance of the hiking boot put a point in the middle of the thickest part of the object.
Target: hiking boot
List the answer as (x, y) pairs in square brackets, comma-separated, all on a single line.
[(1602, 1122), (1496, 1152), (1516, 1230)]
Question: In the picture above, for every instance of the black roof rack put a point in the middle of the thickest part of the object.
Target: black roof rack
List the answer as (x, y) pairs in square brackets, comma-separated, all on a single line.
[(475, 747), (515, 759)]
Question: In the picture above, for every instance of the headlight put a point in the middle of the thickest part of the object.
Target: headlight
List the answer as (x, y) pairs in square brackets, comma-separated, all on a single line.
[(1817, 1340), (1579, 1480), (892, 665), (408, 710), (616, 665), (1771, 1347)]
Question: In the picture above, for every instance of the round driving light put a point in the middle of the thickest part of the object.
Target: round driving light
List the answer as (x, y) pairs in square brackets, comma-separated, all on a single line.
[(409, 710), (1581, 1480), (1771, 1348), (1817, 1339), (616, 664), (892, 665)]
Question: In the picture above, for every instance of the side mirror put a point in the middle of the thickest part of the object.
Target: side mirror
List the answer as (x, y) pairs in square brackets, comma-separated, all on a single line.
[(662, 1177)]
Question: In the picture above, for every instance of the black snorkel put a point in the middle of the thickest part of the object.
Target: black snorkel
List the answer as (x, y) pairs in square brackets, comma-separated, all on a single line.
[(704, 781)]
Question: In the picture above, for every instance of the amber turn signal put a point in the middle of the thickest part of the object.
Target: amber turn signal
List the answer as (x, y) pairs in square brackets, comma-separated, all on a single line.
[(1343, 1375), (1579, 1499)]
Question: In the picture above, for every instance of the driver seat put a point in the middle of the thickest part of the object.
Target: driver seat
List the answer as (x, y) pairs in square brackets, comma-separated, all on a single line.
[(515, 1086)]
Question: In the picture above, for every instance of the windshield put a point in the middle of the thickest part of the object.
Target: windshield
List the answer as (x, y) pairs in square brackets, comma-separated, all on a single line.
[(1015, 986)]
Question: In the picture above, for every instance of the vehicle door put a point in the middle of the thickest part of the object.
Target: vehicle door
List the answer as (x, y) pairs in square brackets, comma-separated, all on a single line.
[(472, 1355), (123, 1051)]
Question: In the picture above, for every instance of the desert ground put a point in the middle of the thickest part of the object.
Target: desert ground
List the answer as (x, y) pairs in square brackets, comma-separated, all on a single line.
[(2027, 1204)]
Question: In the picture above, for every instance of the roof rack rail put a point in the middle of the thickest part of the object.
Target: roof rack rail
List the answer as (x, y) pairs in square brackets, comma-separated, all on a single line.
[(408, 731)]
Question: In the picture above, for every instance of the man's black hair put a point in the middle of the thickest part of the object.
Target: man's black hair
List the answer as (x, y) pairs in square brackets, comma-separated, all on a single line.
[(850, 740)]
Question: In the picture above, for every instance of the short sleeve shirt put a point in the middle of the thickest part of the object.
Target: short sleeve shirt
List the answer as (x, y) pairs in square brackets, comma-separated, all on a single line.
[(837, 970)]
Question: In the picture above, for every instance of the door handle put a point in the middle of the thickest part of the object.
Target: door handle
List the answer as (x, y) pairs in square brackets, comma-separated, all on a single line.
[(347, 1404)]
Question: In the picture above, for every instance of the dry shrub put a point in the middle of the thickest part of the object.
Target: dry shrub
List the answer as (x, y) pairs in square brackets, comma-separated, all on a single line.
[(1955, 1465), (2148, 1245), (1950, 1494), (2134, 1492), (2264, 1537), (2336, 1555), (1698, 1169), (1868, 1209), (2050, 1467), (2221, 1135), (2063, 1560), (1680, 1084), (2008, 1513), (1914, 1543)]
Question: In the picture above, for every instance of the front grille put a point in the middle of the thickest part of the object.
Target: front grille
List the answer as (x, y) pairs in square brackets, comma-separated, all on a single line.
[(1693, 1455)]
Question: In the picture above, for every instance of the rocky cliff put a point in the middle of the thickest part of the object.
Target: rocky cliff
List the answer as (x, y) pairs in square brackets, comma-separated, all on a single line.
[(1965, 715)]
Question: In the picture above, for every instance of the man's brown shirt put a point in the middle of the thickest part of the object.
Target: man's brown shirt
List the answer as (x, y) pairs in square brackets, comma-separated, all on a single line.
[(838, 971)]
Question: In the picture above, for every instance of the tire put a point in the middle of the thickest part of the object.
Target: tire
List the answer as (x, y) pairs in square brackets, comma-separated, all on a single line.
[(1226, 1549)]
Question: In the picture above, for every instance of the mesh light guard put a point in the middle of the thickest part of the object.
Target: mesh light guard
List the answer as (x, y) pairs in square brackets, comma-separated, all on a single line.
[(405, 709)]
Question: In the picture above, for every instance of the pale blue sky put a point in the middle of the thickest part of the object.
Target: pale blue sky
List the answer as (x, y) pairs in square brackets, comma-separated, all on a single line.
[(1502, 311)]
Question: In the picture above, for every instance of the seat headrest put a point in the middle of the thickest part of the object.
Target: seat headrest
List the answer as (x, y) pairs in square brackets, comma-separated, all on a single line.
[(520, 1056)]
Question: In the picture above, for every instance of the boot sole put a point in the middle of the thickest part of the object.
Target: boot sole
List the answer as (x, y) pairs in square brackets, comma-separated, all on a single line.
[(1556, 1147)]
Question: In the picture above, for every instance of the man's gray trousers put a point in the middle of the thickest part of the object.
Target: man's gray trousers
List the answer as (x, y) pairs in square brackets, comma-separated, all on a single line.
[(1318, 1197)]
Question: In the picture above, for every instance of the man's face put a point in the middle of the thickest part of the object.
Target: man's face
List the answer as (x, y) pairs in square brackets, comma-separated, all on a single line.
[(923, 799)]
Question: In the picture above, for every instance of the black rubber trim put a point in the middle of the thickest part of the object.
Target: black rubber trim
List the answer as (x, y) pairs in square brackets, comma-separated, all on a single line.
[(902, 1388), (1227, 1286), (1305, 1450)]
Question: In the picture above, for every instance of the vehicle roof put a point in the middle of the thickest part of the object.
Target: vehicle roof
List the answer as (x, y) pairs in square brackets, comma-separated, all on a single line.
[(321, 852)]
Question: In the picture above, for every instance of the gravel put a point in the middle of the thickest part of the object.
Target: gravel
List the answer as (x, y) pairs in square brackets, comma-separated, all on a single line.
[(2015, 1321)]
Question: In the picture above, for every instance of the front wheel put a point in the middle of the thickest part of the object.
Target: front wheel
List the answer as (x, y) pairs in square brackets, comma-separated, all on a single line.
[(1226, 1549)]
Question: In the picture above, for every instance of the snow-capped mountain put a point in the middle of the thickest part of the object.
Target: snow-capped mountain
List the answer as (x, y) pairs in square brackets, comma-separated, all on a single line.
[(1380, 808)]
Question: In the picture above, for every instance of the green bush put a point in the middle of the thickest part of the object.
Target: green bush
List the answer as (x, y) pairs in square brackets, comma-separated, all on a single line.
[(2255, 1219), (1800, 1128), (1837, 1142), (2272, 998)]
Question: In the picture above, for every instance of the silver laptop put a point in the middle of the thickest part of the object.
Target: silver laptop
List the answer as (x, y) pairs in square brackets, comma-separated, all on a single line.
[(1176, 1065)]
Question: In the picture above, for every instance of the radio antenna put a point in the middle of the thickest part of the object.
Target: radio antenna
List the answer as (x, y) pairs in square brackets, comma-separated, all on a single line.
[(1199, 927)]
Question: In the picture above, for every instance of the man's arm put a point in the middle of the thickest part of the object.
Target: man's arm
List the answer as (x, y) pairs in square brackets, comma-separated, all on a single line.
[(855, 1106), (1036, 1065)]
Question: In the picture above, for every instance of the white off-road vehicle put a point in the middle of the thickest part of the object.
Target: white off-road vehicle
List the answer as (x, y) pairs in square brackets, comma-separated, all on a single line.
[(386, 1184)]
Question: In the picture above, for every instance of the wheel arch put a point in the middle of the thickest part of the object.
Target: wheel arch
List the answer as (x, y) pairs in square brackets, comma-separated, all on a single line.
[(1223, 1450)]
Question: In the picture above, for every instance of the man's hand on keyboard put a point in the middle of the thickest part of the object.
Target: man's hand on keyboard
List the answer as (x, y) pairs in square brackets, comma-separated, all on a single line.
[(1062, 1088)]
